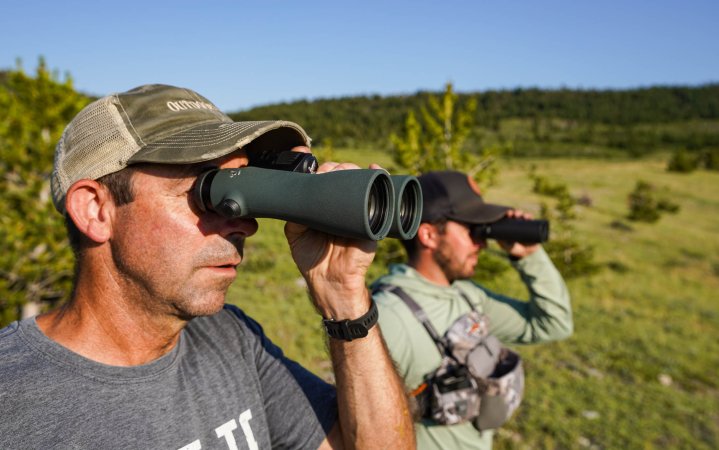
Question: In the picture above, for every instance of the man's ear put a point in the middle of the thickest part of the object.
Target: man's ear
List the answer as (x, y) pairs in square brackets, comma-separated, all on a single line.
[(90, 206), (428, 236)]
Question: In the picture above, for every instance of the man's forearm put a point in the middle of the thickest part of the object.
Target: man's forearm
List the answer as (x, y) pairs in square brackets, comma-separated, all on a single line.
[(371, 398), (549, 300), (547, 316)]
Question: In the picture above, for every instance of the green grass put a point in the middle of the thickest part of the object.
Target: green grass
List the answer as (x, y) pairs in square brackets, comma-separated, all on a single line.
[(640, 370)]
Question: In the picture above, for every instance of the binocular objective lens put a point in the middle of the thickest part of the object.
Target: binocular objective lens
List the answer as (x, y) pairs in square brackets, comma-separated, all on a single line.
[(407, 209), (377, 205)]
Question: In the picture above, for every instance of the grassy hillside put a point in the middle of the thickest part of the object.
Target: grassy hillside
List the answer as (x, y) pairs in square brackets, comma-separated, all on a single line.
[(640, 371)]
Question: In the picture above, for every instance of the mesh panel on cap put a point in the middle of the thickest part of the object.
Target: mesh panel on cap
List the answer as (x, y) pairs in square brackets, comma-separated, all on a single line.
[(95, 144)]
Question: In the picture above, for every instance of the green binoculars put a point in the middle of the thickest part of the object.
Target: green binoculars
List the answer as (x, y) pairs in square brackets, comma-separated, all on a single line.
[(359, 203)]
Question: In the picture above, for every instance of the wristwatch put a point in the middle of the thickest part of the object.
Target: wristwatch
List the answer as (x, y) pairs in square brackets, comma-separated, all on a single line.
[(352, 329)]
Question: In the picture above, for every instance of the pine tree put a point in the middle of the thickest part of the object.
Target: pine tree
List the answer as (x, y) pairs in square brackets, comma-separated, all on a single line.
[(572, 256), (408, 150), (438, 139)]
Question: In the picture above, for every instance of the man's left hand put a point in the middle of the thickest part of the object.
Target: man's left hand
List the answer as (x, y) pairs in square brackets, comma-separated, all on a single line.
[(333, 266)]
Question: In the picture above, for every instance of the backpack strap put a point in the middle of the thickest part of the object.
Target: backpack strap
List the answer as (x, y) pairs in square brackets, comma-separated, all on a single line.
[(459, 287), (466, 299), (417, 311)]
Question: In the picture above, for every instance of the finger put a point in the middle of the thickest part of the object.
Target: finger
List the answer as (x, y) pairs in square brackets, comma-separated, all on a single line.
[(327, 167), (294, 230), (346, 166), (332, 166), (518, 214)]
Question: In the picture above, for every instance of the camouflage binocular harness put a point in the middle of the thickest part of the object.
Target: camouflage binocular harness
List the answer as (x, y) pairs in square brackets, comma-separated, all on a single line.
[(478, 379)]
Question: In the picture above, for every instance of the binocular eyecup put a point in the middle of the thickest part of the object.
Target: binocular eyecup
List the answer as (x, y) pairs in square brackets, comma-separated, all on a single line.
[(513, 230), (360, 203)]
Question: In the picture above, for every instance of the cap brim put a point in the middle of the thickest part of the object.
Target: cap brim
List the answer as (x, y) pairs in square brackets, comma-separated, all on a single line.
[(479, 212), (214, 140)]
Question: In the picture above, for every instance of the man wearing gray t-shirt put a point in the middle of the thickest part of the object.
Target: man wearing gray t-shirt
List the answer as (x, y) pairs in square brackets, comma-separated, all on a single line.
[(146, 354)]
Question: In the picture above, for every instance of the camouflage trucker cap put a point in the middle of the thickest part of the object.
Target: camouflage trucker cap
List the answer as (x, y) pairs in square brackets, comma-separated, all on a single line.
[(159, 124)]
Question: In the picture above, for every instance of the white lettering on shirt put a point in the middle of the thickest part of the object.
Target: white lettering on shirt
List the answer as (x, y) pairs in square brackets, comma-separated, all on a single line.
[(195, 445), (245, 424), (226, 431)]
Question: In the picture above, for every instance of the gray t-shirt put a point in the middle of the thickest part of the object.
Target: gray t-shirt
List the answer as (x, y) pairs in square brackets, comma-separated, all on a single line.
[(224, 386)]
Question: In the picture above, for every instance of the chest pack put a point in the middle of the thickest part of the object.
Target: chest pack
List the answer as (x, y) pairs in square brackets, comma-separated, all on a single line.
[(478, 380)]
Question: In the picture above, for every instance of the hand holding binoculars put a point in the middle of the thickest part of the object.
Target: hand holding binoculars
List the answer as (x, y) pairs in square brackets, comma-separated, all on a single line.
[(359, 203)]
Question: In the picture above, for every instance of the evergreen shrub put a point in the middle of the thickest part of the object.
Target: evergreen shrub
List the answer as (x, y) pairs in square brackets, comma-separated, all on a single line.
[(682, 161)]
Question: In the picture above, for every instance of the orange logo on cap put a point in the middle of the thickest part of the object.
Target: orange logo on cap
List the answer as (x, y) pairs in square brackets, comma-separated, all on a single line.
[(474, 186)]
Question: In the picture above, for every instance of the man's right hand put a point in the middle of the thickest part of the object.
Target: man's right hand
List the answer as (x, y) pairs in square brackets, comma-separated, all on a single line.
[(517, 249)]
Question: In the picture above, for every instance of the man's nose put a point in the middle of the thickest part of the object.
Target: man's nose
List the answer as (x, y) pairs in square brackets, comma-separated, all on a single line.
[(227, 227), (244, 227)]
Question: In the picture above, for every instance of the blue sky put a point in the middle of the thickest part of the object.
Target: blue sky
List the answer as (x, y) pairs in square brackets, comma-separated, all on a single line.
[(241, 54)]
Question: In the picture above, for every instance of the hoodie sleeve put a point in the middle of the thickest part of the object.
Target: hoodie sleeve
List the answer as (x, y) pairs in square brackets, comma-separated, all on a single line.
[(547, 316)]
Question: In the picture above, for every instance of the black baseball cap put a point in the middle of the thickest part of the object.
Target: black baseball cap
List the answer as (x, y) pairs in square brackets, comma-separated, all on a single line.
[(454, 195)]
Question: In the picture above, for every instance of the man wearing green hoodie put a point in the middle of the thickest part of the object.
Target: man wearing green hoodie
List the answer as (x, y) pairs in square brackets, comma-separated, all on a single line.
[(441, 259)]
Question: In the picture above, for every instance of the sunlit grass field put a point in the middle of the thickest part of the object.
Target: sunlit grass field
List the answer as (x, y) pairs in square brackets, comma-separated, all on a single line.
[(641, 368)]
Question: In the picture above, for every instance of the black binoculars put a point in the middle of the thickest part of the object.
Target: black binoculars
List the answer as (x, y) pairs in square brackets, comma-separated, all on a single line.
[(513, 230), (361, 203)]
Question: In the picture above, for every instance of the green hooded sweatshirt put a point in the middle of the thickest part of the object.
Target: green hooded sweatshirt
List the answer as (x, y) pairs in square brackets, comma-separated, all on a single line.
[(546, 316)]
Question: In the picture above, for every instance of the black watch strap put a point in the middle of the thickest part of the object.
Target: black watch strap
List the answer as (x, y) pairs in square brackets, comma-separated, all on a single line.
[(352, 329)]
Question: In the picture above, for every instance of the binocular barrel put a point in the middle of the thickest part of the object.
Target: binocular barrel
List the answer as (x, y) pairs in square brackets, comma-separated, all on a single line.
[(408, 207), (514, 230), (357, 203)]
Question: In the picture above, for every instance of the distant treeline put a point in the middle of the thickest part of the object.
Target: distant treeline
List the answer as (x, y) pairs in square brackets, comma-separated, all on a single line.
[(535, 122), (369, 120)]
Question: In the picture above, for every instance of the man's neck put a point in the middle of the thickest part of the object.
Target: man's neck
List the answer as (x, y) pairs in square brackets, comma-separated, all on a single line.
[(429, 270), (102, 324)]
